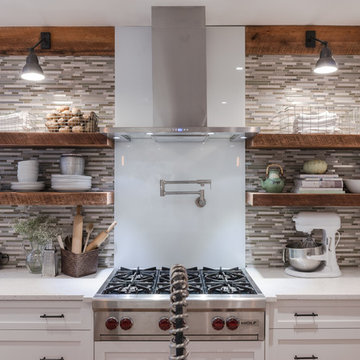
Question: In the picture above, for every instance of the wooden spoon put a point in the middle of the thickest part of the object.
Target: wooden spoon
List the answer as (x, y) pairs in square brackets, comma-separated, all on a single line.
[(89, 228)]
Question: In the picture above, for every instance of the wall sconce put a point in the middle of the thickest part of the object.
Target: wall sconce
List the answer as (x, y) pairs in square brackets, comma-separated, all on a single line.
[(326, 63), (32, 70)]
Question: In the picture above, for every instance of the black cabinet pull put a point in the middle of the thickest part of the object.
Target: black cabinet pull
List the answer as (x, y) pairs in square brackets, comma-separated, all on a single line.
[(44, 316), (312, 357), (45, 358), (312, 314)]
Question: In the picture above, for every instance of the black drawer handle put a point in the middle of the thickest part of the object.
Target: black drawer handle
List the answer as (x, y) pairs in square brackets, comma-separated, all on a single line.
[(312, 357), (45, 358), (312, 314), (44, 316)]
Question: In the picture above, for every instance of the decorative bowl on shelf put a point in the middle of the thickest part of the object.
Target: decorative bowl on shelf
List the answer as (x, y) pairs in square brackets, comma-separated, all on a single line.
[(353, 185)]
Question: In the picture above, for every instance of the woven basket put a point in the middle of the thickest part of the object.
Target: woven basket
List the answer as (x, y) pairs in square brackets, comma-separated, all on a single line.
[(77, 265)]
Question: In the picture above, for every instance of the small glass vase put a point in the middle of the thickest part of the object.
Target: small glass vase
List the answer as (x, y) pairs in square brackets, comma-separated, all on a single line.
[(34, 258)]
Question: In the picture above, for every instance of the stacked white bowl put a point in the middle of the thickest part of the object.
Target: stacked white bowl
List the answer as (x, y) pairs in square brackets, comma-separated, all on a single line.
[(27, 174)]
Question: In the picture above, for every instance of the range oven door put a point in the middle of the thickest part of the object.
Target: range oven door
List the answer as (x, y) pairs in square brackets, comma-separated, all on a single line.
[(199, 350)]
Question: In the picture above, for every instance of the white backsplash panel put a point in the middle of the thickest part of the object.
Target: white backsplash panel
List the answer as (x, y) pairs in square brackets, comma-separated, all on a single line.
[(161, 231)]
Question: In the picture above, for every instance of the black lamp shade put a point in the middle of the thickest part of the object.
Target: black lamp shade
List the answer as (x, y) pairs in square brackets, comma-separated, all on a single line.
[(326, 63), (32, 70)]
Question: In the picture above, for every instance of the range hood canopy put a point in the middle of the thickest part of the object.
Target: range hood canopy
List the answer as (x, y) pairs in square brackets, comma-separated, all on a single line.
[(179, 81)]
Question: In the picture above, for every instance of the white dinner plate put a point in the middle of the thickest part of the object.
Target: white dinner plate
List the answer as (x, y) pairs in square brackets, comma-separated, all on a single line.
[(27, 186)]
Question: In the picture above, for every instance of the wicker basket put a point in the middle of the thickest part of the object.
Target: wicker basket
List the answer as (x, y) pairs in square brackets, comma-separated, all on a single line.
[(77, 265)]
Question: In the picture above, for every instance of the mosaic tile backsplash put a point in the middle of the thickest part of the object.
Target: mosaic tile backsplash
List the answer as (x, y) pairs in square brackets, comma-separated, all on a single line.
[(85, 82), (99, 165), (268, 229), (272, 83), (275, 82)]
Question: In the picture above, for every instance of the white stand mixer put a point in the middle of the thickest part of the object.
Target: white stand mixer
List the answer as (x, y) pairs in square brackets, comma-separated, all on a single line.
[(329, 223)]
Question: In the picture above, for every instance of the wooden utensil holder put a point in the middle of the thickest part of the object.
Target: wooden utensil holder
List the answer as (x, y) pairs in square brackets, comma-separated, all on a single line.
[(77, 265)]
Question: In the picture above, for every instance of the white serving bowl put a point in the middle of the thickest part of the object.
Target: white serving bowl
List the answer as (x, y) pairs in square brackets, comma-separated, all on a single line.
[(353, 185)]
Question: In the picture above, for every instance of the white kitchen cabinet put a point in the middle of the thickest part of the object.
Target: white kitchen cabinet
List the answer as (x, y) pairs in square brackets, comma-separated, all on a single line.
[(35, 330), (323, 344), (42, 344), (64, 315), (314, 329), (328, 314), (199, 350)]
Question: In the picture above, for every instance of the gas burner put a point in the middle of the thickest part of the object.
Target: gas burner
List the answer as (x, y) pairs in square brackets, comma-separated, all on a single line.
[(194, 281), (229, 281), (132, 281)]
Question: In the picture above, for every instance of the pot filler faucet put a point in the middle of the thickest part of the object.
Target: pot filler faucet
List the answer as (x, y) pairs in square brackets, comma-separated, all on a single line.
[(200, 201)]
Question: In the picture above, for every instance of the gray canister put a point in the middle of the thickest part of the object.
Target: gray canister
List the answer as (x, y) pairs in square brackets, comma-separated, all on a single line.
[(72, 164)]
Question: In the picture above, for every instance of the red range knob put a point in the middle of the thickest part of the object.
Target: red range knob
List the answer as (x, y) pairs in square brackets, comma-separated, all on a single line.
[(111, 323), (218, 323), (126, 323), (164, 324), (232, 323)]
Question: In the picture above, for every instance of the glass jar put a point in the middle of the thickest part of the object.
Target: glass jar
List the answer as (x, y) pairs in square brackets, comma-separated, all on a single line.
[(34, 257)]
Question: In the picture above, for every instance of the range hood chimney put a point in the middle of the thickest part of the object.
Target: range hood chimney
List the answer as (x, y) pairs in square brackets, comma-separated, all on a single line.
[(179, 66), (179, 81)]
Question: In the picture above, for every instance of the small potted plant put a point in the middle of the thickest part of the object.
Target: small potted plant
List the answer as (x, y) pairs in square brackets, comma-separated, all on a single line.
[(38, 230)]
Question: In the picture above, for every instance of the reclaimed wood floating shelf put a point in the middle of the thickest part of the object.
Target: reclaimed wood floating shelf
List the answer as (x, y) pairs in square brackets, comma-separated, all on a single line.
[(65, 40), (57, 198), (303, 141), (290, 199), (44, 139), (288, 39)]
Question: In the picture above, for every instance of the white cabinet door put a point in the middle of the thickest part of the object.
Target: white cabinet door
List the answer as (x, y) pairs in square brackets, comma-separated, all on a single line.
[(49, 315), (42, 344), (321, 344), (204, 350), (292, 314)]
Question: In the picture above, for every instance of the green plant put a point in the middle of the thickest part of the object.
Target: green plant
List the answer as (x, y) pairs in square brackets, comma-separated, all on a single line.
[(38, 229)]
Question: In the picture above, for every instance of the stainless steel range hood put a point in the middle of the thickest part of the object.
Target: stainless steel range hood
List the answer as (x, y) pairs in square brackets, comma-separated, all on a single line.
[(179, 81), (181, 134)]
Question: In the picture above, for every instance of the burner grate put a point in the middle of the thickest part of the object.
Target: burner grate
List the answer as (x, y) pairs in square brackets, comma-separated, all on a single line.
[(194, 281), (132, 281), (201, 281), (227, 281)]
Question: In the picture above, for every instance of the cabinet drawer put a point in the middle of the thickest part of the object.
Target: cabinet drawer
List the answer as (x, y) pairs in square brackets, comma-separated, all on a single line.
[(199, 350), (315, 314), (40, 344), (320, 344), (61, 315)]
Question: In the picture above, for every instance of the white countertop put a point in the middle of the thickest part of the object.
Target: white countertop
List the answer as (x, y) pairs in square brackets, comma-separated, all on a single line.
[(275, 284), (20, 284)]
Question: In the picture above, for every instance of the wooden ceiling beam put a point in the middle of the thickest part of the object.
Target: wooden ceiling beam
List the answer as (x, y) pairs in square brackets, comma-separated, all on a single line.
[(290, 40), (65, 40)]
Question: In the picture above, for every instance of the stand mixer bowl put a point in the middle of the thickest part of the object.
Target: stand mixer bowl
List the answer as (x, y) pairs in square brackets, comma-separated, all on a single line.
[(298, 257)]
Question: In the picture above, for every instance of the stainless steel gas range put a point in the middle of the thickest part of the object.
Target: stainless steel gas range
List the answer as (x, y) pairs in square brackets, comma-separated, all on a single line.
[(223, 305)]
